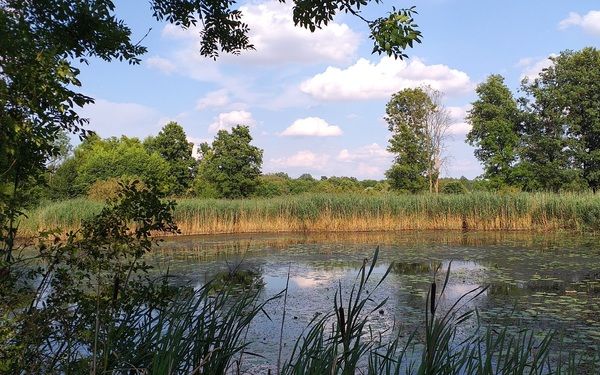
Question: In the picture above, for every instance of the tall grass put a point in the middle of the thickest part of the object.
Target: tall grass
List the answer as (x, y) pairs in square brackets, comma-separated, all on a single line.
[(357, 212)]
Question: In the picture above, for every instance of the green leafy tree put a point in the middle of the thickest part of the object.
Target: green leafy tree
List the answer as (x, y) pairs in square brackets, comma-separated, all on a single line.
[(495, 118), (231, 164), (564, 132), (172, 145), (99, 159), (406, 115)]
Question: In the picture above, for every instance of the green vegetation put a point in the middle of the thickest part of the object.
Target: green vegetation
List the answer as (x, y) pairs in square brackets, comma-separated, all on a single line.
[(231, 165), (357, 212), (172, 145), (418, 122), (97, 309), (547, 140)]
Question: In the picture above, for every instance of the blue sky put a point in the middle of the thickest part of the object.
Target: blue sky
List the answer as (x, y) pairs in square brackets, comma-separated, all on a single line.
[(315, 102)]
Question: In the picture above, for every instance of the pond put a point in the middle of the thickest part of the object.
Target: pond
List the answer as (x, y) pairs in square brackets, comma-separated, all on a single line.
[(538, 281)]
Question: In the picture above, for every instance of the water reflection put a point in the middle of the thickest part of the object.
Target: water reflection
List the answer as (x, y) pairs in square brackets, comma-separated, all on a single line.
[(535, 280)]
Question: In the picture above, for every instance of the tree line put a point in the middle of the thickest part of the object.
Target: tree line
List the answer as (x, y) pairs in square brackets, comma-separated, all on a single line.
[(548, 139)]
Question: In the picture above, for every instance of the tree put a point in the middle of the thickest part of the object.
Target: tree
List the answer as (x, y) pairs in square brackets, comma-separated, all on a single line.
[(495, 118), (436, 129), (172, 145), (418, 122), (565, 125), (231, 164), (99, 159), (42, 39)]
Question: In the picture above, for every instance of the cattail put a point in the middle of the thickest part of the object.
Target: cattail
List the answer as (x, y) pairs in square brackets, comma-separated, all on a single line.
[(432, 306), (342, 322), (116, 286)]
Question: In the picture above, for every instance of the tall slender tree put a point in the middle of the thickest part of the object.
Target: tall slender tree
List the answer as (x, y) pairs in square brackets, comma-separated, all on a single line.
[(495, 118)]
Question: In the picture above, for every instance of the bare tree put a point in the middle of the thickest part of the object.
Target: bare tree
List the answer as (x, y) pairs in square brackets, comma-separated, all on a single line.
[(438, 122)]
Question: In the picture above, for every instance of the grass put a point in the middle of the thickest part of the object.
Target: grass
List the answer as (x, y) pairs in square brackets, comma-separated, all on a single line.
[(355, 212)]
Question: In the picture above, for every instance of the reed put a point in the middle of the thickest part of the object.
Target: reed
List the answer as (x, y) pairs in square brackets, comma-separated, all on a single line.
[(356, 212)]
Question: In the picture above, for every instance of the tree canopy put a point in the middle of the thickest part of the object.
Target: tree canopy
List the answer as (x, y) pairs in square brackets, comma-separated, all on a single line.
[(548, 139), (494, 118), (172, 145), (231, 164), (418, 122)]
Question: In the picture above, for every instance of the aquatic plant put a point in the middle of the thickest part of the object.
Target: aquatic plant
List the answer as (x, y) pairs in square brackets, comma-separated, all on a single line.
[(356, 212)]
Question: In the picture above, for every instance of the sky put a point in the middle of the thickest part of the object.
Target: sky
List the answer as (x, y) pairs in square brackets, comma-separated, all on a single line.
[(315, 102)]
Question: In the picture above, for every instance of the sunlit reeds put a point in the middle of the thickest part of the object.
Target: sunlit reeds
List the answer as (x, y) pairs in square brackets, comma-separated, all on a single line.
[(355, 212)]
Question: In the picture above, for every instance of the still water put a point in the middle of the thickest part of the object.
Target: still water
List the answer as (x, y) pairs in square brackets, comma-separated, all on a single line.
[(538, 281)]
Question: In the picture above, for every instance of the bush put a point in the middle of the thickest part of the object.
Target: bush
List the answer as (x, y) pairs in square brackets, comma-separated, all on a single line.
[(108, 189), (454, 187)]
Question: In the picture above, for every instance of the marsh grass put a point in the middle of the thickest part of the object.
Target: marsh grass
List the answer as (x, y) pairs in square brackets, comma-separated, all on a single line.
[(356, 212)]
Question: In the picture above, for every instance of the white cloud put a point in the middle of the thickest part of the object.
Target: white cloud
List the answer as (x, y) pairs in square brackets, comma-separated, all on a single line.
[(213, 99), (113, 119), (303, 159), (367, 80), (459, 128), (227, 120), (589, 22), (276, 40), (160, 63), (288, 43), (531, 67), (372, 152), (312, 127)]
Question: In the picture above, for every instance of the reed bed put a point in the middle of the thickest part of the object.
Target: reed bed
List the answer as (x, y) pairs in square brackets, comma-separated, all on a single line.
[(356, 213)]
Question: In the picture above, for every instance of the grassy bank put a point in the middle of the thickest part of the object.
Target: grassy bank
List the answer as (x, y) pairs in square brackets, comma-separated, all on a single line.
[(333, 213)]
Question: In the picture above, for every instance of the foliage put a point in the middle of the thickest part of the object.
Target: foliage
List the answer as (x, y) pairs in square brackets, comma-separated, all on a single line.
[(548, 139), (231, 163), (418, 123), (97, 309), (563, 134), (454, 187), (172, 145), (105, 159), (494, 118), (102, 190)]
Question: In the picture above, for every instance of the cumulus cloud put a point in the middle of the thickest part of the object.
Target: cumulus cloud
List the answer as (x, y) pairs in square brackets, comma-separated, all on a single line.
[(213, 99), (531, 68), (589, 22), (367, 80), (302, 159), (311, 127), (459, 126), (227, 120), (111, 118)]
